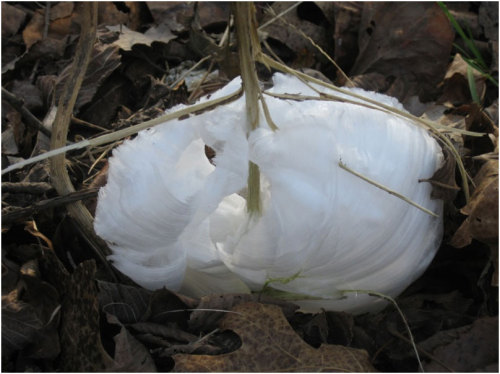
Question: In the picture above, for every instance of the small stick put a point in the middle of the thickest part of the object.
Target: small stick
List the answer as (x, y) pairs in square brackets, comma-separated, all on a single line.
[(47, 21), (30, 119), (387, 189), (58, 173), (19, 214), (34, 188), (279, 15), (123, 133), (81, 122)]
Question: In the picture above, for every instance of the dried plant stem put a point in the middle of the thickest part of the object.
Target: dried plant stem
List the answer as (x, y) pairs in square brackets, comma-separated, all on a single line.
[(386, 189), (20, 214), (248, 48), (272, 20), (123, 133), (350, 83), (393, 302), (29, 118), (59, 175), (268, 61)]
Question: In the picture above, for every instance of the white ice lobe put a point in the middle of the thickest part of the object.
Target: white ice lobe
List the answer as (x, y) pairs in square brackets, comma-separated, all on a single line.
[(173, 219)]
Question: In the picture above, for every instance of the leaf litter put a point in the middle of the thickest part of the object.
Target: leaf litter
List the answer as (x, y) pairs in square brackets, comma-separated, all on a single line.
[(60, 308)]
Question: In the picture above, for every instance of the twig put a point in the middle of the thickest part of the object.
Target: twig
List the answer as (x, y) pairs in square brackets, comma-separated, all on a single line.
[(313, 43), (18, 214), (34, 188), (186, 73), (280, 15), (59, 175), (387, 189), (212, 63), (47, 20), (30, 119), (81, 122), (123, 133)]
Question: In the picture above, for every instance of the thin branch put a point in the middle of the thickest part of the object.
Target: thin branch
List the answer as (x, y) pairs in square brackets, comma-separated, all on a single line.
[(123, 133), (279, 15), (58, 172), (30, 119), (34, 188), (18, 214), (387, 189)]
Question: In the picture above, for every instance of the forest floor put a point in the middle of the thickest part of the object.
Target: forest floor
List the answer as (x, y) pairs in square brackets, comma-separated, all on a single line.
[(64, 308)]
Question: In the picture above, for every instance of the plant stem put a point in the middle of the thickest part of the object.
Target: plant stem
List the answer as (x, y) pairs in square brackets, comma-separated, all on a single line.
[(248, 48), (58, 173)]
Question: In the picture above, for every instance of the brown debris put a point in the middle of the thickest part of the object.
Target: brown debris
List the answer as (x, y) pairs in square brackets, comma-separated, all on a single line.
[(270, 344)]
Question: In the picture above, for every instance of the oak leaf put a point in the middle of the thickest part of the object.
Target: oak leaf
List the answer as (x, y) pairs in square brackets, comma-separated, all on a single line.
[(269, 344), (482, 210)]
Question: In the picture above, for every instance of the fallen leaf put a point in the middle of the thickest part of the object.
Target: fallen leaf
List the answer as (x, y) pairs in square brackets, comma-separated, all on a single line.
[(105, 59), (346, 17), (176, 15), (30, 314), (166, 306), (110, 15), (128, 38), (488, 19), (398, 41), (482, 209), (29, 94), (443, 182), (9, 145), (130, 355), (128, 304), (269, 344), (19, 323), (465, 349), (289, 29), (81, 346), (60, 23), (211, 308), (164, 331), (12, 19), (456, 85)]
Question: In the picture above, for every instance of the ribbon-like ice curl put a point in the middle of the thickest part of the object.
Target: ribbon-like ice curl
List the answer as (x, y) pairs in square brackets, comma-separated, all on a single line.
[(174, 219)]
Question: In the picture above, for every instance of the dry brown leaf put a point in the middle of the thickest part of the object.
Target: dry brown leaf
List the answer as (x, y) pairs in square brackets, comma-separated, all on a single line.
[(210, 309), (130, 355), (12, 19), (482, 209), (105, 60), (79, 330), (408, 43), (443, 181), (269, 344), (128, 38), (60, 24), (469, 348), (285, 30), (456, 86)]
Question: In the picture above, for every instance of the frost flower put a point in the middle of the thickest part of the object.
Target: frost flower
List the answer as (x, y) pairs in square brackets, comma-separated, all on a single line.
[(174, 219)]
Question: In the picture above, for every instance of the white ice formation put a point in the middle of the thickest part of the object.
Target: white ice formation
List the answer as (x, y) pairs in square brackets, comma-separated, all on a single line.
[(173, 219)]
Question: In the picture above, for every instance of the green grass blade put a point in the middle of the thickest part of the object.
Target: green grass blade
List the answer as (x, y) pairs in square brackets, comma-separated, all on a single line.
[(472, 85)]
